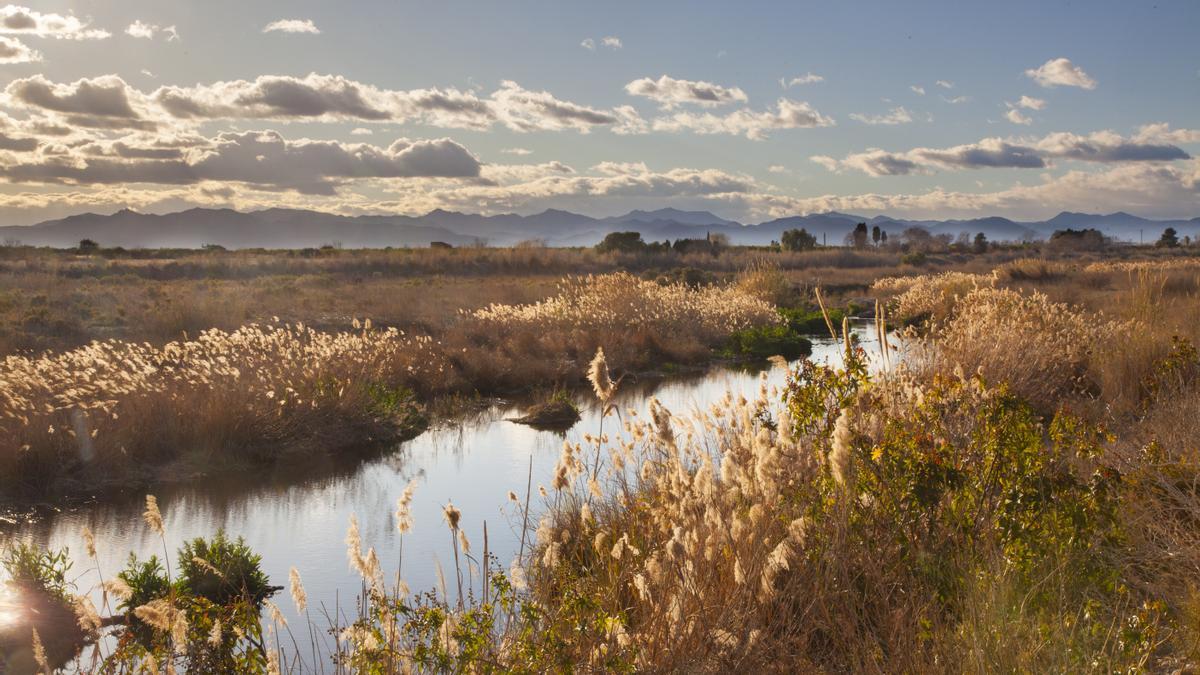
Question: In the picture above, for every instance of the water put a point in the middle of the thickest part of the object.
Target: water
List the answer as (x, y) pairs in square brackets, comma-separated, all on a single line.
[(301, 520)]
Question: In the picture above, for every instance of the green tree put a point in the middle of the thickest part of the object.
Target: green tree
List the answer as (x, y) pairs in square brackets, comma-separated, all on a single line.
[(627, 242), (88, 246), (858, 238), (1169, 238), (798, 240), (981, 243)]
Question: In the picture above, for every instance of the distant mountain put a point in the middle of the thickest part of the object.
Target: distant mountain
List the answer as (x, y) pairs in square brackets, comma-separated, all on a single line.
[(296, 228)]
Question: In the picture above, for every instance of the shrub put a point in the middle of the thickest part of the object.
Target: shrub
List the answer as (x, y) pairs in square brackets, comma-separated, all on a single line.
[(765, 341)]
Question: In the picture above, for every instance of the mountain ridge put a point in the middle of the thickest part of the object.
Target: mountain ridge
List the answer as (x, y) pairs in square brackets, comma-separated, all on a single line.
[(301, 228)]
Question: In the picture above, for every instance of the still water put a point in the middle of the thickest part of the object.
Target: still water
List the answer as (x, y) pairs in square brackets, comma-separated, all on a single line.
[(299, 517)]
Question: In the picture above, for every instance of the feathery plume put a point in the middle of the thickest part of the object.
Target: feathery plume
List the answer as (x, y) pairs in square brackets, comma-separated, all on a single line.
[(598, 375), (298, 595), (153, 516)]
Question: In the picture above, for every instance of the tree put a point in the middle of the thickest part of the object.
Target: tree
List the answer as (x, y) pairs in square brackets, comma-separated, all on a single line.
[(626, 242), (1169, 238), (981, 243), (883, 238), (88, 246), (797, 240), (876, 234), (858, 237)]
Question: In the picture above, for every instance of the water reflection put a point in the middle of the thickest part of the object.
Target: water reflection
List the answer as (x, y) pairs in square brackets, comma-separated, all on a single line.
[(298, 516)]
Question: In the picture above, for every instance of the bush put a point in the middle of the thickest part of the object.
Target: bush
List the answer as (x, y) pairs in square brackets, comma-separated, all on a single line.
[(765, 341)]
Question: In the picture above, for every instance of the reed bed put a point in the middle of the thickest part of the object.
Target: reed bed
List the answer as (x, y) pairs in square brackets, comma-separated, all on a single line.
[(983, 505)]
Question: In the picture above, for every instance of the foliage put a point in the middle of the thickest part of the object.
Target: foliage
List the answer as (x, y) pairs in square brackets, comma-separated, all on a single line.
[(31, 567), (797, 240), (764, 341)]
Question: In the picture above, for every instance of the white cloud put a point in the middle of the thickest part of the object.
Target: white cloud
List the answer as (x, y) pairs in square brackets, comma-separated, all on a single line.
[(807, 78), (264, 159), (145, 31), (17, 20), (610, 42), (893, 117), (945, 84), (13, 50), (1030, 103), (755, 125), (1014, 115), (517, 151), (1061, 72), (917, 89), (778, 168), (1019, 153), (956, 99), (292, 26), (670, 92), (361, 131)]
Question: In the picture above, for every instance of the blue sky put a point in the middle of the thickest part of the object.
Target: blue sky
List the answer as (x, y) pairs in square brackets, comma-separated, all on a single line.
[(749, 109)]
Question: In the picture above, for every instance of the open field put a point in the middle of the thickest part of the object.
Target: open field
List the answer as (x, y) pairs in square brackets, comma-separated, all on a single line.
[(1014, 490)]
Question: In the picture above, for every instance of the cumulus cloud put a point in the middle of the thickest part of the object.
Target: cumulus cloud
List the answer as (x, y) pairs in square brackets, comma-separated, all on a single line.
[(917, 89), (17, 20), (1101, 146), (1060, 72), (670, 92), (945, 84), (105, 102), (145, 31), (893, 117), (13, 50), (807, 78), (263, 159), (361, 131), (610, 42), (292, 26), (1030, 103), (755, 125), (517, 151), (1015, 116)]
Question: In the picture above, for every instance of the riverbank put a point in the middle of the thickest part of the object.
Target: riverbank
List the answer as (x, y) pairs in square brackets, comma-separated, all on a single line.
[(117, 414)]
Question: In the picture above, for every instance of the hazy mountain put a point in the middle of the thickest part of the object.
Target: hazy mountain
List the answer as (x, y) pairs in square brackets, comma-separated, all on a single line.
[(295, 228)]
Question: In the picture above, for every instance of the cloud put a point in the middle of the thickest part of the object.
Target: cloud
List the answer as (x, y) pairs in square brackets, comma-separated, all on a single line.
[(956, 99), (917, 89), (263, 159), (517, 151), (145, 31), (16, 20), (1030, 103), (611, 42), (292, 26), (102, 102), (1016, 117), (945, 84), (1161, 132), (755, 125), (523, 110), (670, 92), (1101, 146), (893, 117), (13, 50), (778, 168), (1060, 72), (807, 78), (361, 131)]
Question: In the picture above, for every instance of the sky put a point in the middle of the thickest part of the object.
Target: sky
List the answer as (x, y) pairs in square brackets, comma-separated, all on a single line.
[(752, 110)]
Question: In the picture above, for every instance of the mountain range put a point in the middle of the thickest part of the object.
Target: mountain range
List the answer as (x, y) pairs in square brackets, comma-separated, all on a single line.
[(294, 228)]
